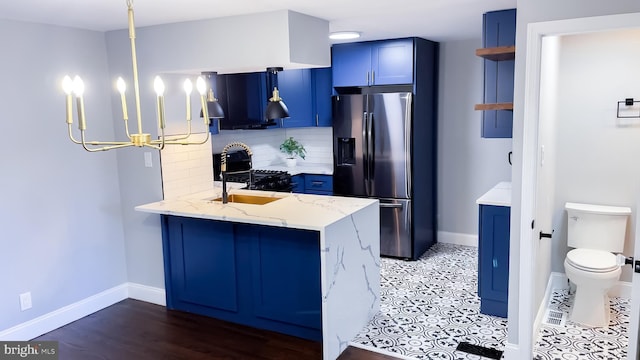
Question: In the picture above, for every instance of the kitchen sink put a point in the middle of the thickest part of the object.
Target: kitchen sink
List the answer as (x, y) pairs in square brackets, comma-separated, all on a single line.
[(248, 199)]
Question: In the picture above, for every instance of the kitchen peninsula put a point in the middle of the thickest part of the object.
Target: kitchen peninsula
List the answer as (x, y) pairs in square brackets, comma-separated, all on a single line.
[(306, 265)]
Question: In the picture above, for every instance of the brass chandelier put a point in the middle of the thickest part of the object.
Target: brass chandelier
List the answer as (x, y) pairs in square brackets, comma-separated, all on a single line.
[(75, 88)]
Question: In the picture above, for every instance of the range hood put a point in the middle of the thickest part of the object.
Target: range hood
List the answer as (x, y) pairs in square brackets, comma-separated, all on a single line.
[(234, 44)]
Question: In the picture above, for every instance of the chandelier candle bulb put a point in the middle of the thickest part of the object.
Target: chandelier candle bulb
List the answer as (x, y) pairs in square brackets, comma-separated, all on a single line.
[(121, 89), (188, 87), (159, 87), (202, 89), (67, 87), (78, 90)]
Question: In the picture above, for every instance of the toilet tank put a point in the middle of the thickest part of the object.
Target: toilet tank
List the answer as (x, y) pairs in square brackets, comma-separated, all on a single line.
[(598, 227)]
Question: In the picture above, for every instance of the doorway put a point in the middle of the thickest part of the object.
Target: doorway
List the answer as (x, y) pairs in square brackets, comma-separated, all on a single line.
[(594, 150)]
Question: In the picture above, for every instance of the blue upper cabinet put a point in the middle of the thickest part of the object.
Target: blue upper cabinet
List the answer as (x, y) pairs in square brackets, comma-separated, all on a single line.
[(321, 80), (296, 92), (387, 62), (498, 38), (307, 93)]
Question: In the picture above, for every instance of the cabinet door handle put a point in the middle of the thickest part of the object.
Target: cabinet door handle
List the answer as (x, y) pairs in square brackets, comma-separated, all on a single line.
[(495, 262), (316, 119), (317, 183), (373, 77)]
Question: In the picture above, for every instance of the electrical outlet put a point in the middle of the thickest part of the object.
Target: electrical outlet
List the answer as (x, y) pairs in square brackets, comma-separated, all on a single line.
[(147, 159), (25, 301)]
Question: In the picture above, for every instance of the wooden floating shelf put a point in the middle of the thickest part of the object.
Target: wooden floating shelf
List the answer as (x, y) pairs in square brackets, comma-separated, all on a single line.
[(499, 53), (497, 106)]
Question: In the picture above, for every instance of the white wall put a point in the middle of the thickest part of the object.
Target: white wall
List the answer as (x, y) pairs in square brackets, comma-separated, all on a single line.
[(531, 12), (468, 165), (597, 153), (62, 236)]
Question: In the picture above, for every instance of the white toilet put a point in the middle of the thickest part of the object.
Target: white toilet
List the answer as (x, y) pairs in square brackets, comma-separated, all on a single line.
[(596, 233)]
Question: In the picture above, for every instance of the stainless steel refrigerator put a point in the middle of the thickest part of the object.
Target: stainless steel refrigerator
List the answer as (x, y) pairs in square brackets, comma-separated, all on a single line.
[(374, 139)]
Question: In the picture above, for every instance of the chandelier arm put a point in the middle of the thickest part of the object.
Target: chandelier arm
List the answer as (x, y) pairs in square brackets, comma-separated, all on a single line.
[(134, 63), (126, 129), (71, 136), (113, 145), (188, 132), (154, 146)]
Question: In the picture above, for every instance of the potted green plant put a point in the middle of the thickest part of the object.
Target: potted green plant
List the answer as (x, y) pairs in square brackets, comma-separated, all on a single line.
[(292, 148)]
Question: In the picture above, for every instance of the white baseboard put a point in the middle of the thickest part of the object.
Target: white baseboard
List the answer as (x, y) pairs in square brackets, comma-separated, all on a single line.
[(65, 315), (146, 293), (457, 238), (511, 352), (70, 313)]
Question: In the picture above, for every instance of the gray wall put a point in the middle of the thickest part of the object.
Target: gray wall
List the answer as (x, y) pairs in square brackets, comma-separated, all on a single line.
[(61, 219), (468, 165), (530, 12)]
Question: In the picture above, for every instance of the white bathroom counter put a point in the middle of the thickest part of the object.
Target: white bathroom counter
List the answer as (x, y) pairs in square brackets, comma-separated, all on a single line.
[(499, 195)]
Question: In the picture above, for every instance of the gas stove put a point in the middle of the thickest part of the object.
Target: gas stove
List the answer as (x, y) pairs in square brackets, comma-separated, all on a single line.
[(268, 180)]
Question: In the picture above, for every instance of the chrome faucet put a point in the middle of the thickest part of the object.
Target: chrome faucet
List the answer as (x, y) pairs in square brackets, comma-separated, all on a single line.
[(223, 167)]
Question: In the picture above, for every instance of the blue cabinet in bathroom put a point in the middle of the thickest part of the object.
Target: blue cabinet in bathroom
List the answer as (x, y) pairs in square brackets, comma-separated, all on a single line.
[(493, 259)]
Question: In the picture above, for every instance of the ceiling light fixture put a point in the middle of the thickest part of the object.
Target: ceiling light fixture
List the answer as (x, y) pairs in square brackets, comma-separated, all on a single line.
[(344, 35), (75, 88)]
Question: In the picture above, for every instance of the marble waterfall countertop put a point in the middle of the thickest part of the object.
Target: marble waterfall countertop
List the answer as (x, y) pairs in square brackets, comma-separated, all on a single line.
[(499, 195), (349, 231)]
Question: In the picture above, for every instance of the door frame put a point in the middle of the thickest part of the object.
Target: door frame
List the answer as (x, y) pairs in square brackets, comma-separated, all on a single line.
[(535, 33)]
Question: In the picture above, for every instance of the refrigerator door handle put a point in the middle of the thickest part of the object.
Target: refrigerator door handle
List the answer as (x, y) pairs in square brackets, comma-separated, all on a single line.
[(371, 149), (393, 206), (407, 143), (365, 152)]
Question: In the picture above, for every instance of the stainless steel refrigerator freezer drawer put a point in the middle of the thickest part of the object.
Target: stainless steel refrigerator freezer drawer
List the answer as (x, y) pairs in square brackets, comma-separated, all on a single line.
[(395, 228)]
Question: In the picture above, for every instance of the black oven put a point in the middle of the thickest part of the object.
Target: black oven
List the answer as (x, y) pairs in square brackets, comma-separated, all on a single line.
[(268, 180)]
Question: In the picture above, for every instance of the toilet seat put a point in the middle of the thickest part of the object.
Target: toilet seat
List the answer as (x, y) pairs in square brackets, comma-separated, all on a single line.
[(597, 261)]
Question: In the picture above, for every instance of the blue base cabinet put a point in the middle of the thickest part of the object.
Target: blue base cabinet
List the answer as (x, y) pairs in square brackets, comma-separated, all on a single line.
[(260, 276), (312, 184), (493, 259)]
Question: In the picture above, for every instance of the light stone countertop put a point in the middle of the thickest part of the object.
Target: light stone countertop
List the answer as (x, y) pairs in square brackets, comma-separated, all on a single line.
[(499, 195), (300, 211)]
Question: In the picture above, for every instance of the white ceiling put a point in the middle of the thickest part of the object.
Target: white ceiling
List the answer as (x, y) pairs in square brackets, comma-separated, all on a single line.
[(438, 20)]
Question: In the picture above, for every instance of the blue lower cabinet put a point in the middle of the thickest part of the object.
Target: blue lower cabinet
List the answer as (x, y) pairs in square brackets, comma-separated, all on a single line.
[(297, 184), (312, 184), (493, 259), (260, 276)]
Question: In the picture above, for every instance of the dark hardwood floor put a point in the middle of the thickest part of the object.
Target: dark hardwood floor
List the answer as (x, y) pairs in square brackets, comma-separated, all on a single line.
[(138, 330)]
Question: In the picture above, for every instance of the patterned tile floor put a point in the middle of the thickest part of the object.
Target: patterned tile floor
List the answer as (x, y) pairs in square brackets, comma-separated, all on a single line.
[(430, 305), (572, 341)]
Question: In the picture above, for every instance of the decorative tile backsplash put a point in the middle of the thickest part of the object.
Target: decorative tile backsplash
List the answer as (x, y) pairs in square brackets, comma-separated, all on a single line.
[(189, 169)]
